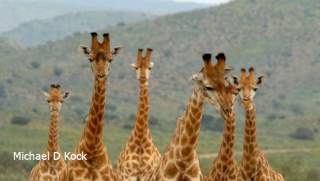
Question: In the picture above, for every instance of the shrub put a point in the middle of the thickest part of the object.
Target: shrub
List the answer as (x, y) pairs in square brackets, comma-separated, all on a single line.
[(127, 126), (3, 93), (209, 122), (313, 174), (303, 134), (296, 108), (153, 120), (57, 71), (120, 24), (271, 117), (35, 64), (111, 107), (282, 96), (20, 120)]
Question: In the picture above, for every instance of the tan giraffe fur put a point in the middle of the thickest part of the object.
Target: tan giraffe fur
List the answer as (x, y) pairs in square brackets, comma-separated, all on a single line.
[(98, 165), (254, 165), (139, 157), (180, 160), (50, 169), (225, 167)]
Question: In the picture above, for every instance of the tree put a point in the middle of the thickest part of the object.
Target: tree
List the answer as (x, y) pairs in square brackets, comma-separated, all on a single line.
[(20, 120), (303, 134), (57, 71)]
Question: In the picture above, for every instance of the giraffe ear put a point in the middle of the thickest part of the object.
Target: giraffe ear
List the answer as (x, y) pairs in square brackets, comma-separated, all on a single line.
[(260, 80), (66, 95), (84, 50), (234, 80), (227, 72), (197, 77), (117, 51), (45, 95), (134, 66)]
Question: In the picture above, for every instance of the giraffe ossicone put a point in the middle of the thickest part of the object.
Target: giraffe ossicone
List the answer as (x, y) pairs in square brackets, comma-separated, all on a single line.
[(51, 167)]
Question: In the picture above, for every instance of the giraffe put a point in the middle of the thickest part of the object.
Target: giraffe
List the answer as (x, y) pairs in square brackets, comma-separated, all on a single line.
[(50, 167), (225, 166), (140, 156), (96, 165), (254, 165), (180, 160)]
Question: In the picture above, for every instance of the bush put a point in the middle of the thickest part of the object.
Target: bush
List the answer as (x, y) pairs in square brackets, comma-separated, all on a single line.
[(303, 134), (120, 24), (57, 71), (20, 120), (127, 126), (153, 120), (35, 64), (296, 108), (313, 174), (111, 107), (209, 122), (271, 117), (3, 93), (282, 96)]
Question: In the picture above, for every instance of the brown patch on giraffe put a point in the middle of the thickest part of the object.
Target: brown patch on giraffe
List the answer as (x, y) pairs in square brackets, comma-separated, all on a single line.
[(170, 171)]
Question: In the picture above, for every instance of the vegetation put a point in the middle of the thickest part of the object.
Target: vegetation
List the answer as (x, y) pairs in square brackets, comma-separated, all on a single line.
[(37, 32), (303, 133), (277, 38), (20, 120)]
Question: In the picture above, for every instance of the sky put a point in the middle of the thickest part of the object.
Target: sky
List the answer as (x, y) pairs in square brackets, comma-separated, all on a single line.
[(205, 1)]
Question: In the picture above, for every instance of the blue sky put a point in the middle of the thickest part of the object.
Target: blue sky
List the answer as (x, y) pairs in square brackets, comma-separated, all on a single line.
[(205, 1)]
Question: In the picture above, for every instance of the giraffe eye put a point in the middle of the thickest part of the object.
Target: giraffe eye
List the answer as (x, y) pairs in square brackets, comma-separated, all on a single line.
[(110, 60), (255, 89), (239, 90), (61, 102), (48, 101), (136, 68), (209, 88), (149, 68), (90, 60)]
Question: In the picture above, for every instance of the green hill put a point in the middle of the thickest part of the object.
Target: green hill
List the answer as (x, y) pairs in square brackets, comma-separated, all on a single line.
[(278, 38), (37, 32), (13, 13)]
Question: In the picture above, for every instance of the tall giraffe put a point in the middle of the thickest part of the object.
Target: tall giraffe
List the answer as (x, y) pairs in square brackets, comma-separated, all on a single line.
[(225, 166), (51, 167), (254, 165), (139, 157), (180, 159), (97, 165)]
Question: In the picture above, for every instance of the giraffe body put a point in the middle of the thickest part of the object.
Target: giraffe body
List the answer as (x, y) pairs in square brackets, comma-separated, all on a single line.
[(97, 165), (50, 168), (180, 159), (225, 166), (139, 157), (254, 165)]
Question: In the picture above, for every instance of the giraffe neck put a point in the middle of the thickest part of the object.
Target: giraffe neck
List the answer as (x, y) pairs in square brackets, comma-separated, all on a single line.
[(228, 139), (142, 120), (53, 139), (250, 135), (186, 136), (92, 141)]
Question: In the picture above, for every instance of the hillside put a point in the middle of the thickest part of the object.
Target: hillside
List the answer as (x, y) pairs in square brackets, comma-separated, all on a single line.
[(13, 13), (278, 38), (134, 5), (37, 32)]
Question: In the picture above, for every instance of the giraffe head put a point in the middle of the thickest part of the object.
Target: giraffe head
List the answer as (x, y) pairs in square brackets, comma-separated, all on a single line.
[(143, 66), (55, 98), (247, 86), (211, 84), (232, 93), (100, 55)]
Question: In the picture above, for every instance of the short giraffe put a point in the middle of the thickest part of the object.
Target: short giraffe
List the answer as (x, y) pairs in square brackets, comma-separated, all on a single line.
[(98, 165), (180, 160), (50, 168), (139, 157), (254, 165), (225, 166)]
